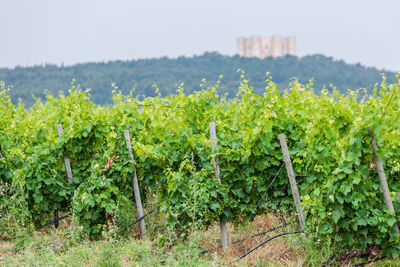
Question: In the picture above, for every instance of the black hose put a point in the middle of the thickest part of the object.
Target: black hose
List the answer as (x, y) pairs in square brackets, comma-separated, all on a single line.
[(265, 232), (367, 262), (63, 217), (269, 239), (262, 233), (52, 221), (141, 218), (269, 230)]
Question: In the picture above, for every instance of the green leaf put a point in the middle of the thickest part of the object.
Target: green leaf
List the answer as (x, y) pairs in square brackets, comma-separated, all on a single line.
[(214, 206)]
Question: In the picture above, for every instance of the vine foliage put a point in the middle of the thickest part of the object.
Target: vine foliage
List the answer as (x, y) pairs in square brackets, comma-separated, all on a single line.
[(326, 134)]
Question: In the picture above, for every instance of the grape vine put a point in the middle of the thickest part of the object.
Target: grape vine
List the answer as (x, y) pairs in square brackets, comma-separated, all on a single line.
[(326, 134)]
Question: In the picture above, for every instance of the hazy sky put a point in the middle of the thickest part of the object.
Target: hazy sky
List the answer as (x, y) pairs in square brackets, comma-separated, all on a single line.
[(72, 31)]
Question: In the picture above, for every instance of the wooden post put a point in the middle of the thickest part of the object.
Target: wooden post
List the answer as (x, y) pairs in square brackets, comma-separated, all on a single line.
[(135, 185), (382, 177), (222, 224), (292, 179), (67, 169), (66, 159)]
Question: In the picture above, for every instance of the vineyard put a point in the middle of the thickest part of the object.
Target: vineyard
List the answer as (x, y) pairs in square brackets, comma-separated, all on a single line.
[(327, 136)]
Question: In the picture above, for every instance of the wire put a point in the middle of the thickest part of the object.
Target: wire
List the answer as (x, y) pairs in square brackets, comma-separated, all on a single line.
[(387, 105), (166, 106), (273, 229), (265, 232), (275, 176), (273, 180), (63, 217)]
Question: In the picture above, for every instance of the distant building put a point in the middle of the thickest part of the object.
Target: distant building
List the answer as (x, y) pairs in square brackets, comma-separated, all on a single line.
[(262, 47)]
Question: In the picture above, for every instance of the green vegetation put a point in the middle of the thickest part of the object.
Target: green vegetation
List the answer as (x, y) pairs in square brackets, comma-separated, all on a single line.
[(167, 74), (66, 246), (327, 138)]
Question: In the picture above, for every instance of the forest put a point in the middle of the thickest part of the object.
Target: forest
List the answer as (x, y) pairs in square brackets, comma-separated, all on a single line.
[(164, 76)]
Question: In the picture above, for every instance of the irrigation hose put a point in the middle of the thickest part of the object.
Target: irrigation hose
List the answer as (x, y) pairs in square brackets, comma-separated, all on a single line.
[(273, 229), (63, 217), (141, 218), (255, 235), (52, 221), (269, 239), (368, 262)]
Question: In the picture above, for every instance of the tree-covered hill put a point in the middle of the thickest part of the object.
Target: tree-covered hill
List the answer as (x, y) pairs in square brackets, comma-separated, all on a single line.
[(167, 74)]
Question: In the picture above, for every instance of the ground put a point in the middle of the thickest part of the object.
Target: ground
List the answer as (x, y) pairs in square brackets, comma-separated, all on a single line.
[(67, 246)]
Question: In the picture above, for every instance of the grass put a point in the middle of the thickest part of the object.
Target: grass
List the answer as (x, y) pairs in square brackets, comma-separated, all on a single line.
[(129, 252), (20, 245), (67, 246)]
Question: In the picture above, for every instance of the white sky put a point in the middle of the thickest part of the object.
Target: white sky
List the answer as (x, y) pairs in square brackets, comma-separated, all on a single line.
[(76, 31)]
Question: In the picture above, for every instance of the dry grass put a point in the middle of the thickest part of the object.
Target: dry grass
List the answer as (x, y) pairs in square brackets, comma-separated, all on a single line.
[(282, 251), (6, 250), (278, 252)]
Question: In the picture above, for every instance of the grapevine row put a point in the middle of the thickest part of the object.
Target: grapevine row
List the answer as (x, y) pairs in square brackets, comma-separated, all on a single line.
[(327, 137)]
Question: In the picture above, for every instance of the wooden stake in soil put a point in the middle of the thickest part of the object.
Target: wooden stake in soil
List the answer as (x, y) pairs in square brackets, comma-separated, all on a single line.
[(135, 185), (67, 169), (382, 177), (66, 159), (292, 179), (222, 224)]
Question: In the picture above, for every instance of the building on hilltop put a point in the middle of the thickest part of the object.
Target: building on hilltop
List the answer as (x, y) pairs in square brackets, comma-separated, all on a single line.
[(262, 47)]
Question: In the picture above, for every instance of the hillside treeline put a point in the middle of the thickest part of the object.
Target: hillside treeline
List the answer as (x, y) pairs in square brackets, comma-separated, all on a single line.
[(167, 74)]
